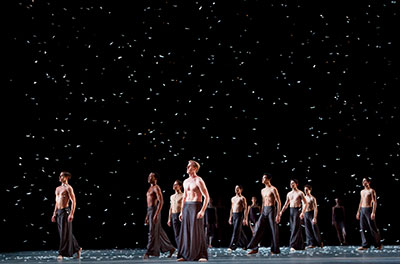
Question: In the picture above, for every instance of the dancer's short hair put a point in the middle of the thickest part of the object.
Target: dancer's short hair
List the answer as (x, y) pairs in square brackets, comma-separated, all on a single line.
[(67, 174), (308, 186), (195, 164)]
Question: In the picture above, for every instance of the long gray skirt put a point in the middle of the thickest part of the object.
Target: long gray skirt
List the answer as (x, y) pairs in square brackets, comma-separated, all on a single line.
[(192, 239), (176, 225), (158, 239), (68, 244), (239, 238)]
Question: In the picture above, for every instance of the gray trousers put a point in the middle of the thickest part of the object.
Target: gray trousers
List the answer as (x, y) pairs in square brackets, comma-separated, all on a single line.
[(176, 225), (266, 220), (157, 238), (238, 236), (68, 243), (313, 236), (369, 232), (192, 239), (296, 235)]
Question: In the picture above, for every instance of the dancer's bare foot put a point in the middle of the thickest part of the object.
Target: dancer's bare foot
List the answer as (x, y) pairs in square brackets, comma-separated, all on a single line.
[(79, 253), (253, 251), (171, 252), (229, 250), (379, 248), (60, 257), (181, 259), (362, 248), (203, 260), (292, 250), (209, 246), (146, 256), (311, 246)]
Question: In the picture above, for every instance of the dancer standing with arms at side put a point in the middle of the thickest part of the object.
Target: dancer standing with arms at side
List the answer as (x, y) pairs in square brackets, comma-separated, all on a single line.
[(64, 215), (339, 221), (238, 217), (295, 199), (175, 209), (366, 214), (192, 240), (270, 217), (157, 238), (313, 236)]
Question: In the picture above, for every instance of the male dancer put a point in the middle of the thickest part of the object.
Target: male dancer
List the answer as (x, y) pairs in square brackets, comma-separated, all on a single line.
[(158, 239), (295, 198), (211, 222), (366, 214), (192, 240), (239, 215), (253, 212), (338, 221), (270, 217), (64, 215), (313, 236), (175, 209)]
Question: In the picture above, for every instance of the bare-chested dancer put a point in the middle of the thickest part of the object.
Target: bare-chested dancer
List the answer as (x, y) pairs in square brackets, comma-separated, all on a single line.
[(175, 209), (270, 216), (64, 215), (238, 214), (366, 214), (157, 238), (313, 236), (294, 199), (192, 242)]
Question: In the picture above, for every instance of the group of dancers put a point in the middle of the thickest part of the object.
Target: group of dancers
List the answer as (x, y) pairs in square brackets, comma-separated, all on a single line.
[(188, 208)]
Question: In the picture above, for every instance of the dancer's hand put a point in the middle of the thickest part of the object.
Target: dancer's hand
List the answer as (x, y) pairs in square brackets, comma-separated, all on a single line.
[(169, 222), (245, 222), (200, 215), (70, 218), (301, 216), (53, 218), (314, 221), (278, 218), (358, 216), (230, 221), (373, 216), (180, 217), (155, 218), (146, 220)]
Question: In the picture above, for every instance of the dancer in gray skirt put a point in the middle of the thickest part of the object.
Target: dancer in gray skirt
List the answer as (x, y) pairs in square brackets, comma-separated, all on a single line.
[(158, 239), (192, 239), (366, 214), (295, 199), (313, 236)]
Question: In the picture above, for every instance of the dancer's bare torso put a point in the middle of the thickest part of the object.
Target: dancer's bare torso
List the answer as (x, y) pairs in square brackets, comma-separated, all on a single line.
[(295, 197), (238, 203), (367, 197), (268, 194), (176, 203), (192, 189), (62, 196)]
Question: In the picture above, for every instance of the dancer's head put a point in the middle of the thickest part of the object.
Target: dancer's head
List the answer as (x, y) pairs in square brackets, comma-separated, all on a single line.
[(192, 167)]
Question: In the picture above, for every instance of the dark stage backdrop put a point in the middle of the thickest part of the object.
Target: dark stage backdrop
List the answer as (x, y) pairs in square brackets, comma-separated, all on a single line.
[(111, 90)]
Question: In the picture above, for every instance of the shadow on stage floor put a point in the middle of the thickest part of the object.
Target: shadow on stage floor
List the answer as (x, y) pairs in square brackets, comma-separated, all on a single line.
[(326, 255)]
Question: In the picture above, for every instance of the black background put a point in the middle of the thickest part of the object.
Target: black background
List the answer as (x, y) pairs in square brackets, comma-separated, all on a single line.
[(111, 90)]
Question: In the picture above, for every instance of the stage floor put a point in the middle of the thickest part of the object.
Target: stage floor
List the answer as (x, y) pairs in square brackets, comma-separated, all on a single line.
[(326, 255)]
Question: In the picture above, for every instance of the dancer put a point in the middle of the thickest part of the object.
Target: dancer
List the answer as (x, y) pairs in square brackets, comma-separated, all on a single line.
[(192, 240), (338, 221), (270, 217), (64, 215), (211, 222), (313, 236), (157, 238), (238, 214), (253, 212), (175, 209), (366, 214), (295, 198)]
